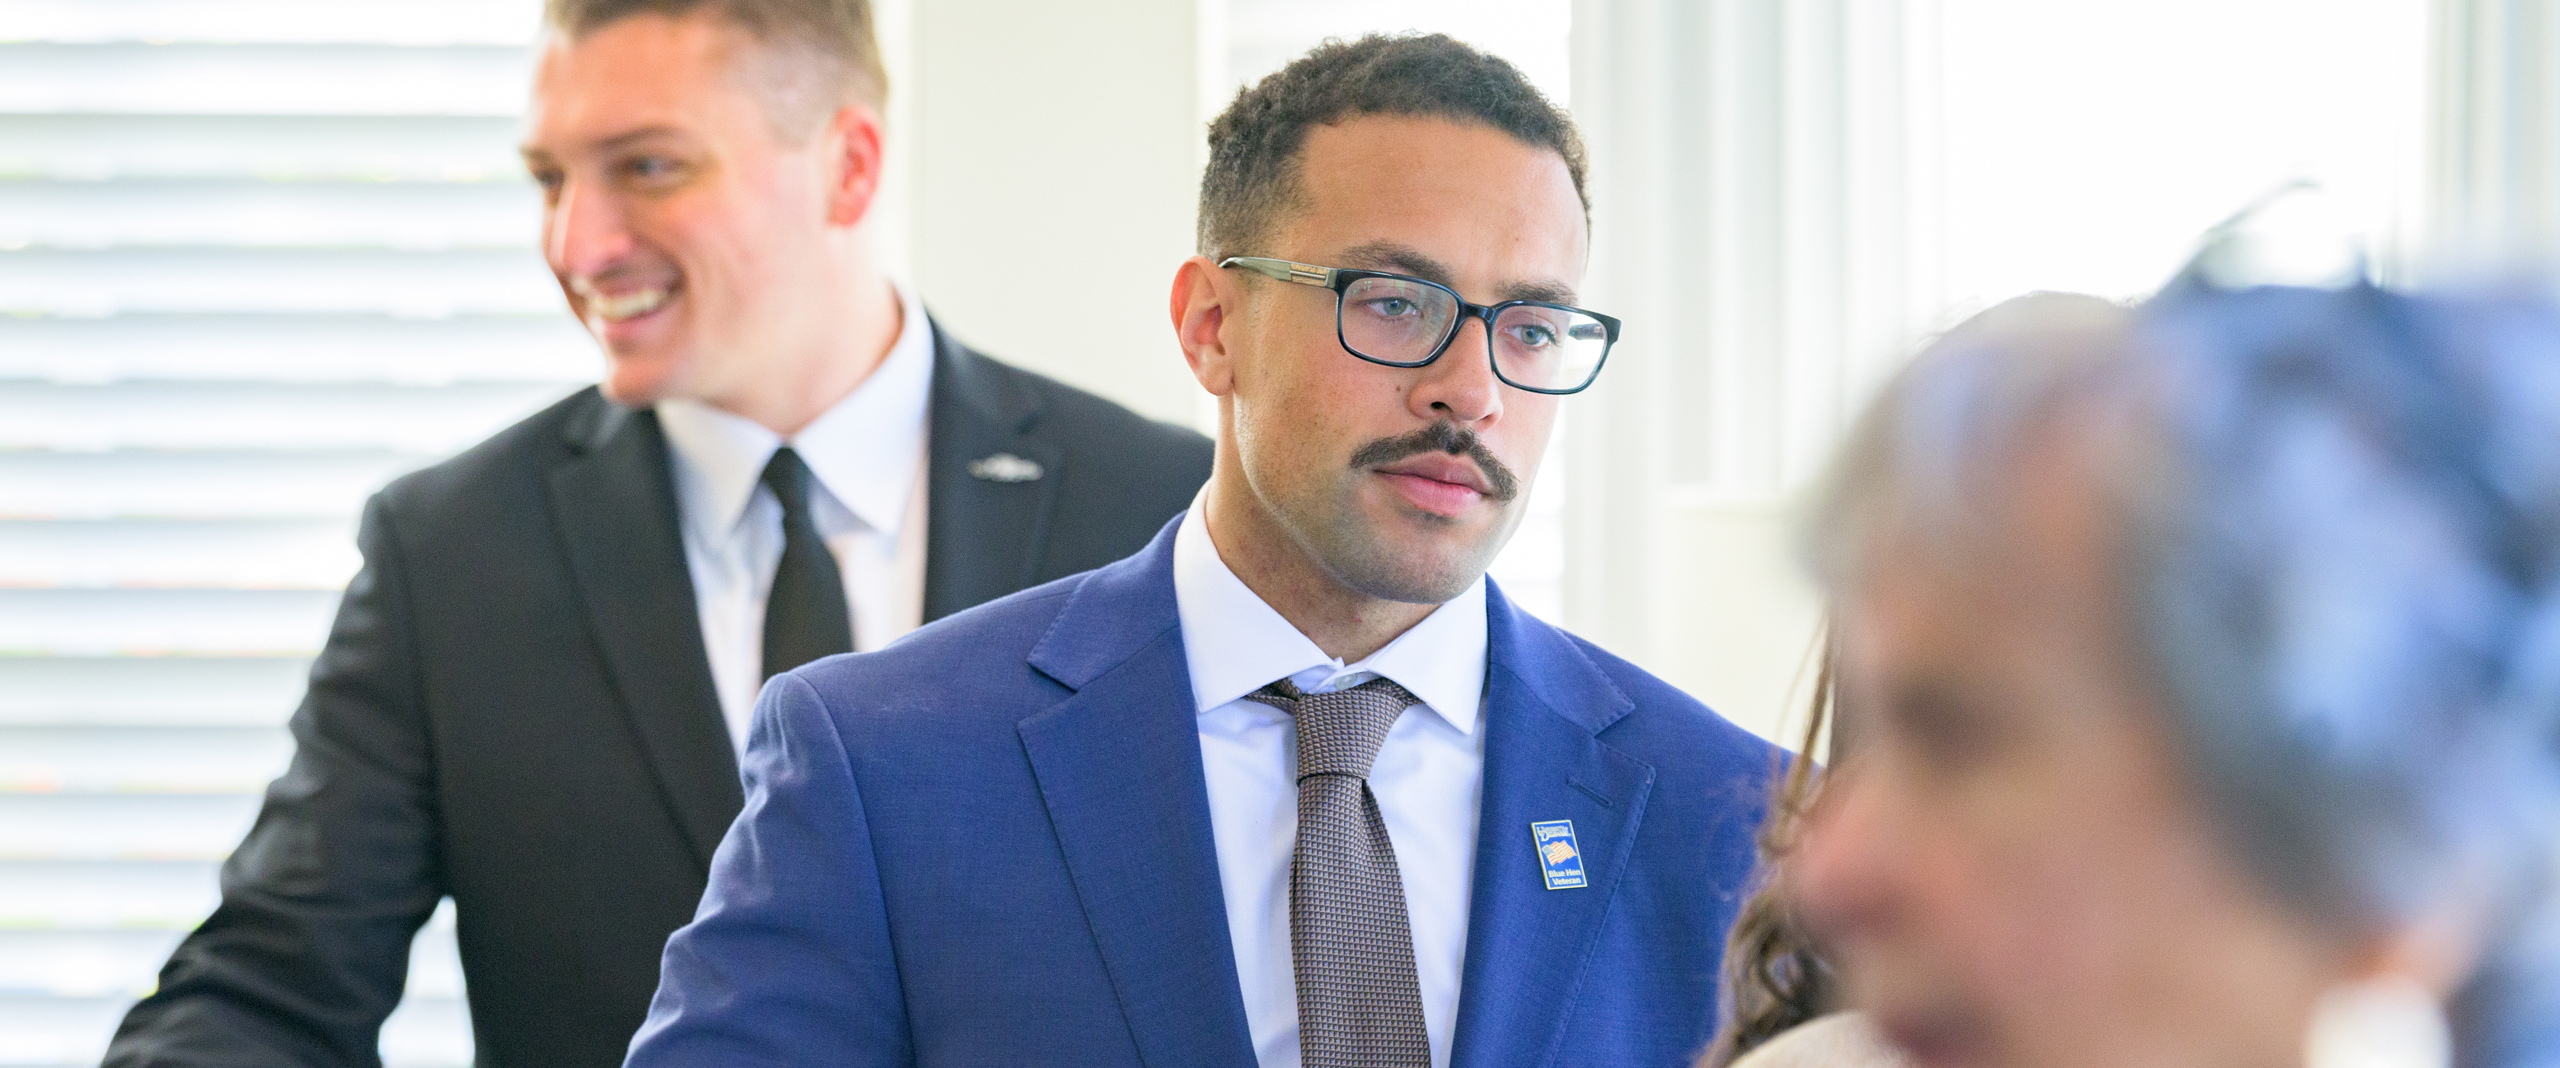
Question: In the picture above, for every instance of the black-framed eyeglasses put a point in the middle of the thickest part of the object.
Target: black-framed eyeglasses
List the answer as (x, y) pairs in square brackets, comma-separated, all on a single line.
[(1402, 321)]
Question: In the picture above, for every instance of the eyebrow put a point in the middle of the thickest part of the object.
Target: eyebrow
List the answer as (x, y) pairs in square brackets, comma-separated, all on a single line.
[(1406, 259), (613, 143)]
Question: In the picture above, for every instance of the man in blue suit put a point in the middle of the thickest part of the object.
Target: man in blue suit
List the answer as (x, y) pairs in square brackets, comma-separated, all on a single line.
[(1295, 784)]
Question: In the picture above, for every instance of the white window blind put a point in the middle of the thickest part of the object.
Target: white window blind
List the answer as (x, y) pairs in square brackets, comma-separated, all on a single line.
[(256, 258)]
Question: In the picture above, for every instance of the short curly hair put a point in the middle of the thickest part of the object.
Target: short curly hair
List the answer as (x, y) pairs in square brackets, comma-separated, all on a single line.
[(1252, 177)]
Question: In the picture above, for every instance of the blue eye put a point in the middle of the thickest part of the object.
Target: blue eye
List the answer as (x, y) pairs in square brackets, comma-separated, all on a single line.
[(651, 168)]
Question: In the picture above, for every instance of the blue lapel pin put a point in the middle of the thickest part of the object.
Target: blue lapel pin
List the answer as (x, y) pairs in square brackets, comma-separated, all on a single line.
[(1558, 854)]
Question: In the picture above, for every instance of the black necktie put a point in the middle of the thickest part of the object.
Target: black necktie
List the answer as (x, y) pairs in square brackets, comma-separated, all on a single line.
[(805, 618)]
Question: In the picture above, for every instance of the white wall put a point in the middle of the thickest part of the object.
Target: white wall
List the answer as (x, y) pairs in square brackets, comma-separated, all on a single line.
[(1050, 167)]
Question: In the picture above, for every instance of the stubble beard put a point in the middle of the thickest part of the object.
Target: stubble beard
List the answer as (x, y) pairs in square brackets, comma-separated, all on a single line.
[(1367, 559)]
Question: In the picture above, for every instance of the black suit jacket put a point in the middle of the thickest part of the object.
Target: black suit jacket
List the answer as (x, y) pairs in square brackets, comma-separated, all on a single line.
[(514, 709)]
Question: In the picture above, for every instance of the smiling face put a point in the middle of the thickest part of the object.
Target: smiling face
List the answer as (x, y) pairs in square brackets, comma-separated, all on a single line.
[(1401, 483), (691, 232), (2013, 871)]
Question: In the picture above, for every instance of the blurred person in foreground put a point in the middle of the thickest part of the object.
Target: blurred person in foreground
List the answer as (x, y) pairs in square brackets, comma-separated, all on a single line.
[(531, 698), (1780, 1001), (2208, 664), (1294, 785)]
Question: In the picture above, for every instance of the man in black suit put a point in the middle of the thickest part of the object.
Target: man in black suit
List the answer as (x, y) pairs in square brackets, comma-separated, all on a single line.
[(530, 697)]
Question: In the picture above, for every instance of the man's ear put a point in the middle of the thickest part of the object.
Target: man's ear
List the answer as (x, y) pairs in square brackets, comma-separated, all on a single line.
[(1204, 297), (853, 138)]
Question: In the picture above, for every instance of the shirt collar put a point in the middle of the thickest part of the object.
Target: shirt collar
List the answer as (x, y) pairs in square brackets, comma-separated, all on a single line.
[(1235, 643), (866, 451)]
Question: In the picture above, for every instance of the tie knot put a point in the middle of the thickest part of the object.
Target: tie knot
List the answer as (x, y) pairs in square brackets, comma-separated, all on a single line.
[(788, 476), (1339, 732)]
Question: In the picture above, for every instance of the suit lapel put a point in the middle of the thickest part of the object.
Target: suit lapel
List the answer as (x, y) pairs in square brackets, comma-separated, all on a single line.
[(615, 506), (1529, 949), (1118, 766), (984, 528)]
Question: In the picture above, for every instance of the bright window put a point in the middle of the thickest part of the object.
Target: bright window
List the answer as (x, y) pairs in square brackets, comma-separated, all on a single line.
[(2087, 146), (256, 257)]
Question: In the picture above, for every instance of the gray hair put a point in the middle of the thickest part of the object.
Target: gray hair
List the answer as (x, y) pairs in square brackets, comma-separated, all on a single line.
[(2337, 520)]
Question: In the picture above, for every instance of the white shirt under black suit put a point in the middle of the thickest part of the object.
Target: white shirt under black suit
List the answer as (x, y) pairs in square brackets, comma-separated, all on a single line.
[(867, 455)]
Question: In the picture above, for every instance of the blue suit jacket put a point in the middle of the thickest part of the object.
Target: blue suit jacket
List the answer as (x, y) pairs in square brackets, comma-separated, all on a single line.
[(989, 844)]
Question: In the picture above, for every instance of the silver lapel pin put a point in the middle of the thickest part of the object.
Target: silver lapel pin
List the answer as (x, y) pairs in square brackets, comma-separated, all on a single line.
[(1006, 467)]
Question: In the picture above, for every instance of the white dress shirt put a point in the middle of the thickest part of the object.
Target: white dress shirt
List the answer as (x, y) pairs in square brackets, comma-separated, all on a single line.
[(867, 497), (1429, 779)]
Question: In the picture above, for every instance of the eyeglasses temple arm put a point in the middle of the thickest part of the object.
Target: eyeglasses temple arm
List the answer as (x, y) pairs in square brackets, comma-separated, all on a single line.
[(1304, 274)]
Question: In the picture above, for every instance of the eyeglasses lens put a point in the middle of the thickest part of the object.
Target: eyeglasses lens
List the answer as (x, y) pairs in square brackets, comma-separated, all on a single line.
[(1548, 348), (1396, 321)]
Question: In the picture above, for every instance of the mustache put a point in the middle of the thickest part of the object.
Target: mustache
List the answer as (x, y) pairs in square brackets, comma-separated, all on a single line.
[(1448, 438)]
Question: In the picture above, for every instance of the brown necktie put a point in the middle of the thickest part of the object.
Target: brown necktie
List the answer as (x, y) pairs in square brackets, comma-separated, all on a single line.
[(1359, 1005)]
